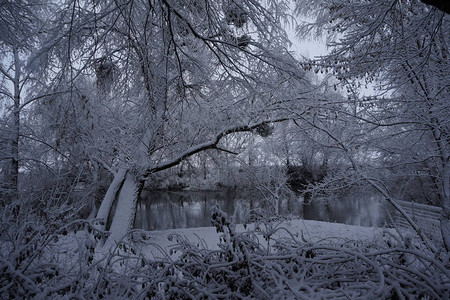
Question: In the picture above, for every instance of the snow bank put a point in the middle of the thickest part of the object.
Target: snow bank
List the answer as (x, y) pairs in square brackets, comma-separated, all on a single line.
[(311, 231)]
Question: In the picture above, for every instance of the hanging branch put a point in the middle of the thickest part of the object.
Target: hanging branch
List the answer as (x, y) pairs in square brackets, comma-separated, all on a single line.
[(211, 144)]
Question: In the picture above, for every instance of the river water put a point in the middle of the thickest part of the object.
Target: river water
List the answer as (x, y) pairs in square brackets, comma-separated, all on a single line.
[(159, 210)]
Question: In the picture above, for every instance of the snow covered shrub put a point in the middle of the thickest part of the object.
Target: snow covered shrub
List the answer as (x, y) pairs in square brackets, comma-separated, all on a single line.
[(207, 274), (43, 251), (288, 268), (256, 264)]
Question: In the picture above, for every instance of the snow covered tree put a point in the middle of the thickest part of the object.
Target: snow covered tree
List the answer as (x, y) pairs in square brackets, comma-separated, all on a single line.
[(21, 31), (172, 79), (401, 47)]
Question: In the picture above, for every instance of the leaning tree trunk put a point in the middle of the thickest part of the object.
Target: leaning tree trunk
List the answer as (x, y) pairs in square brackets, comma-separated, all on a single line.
[(125, 211), (118, 207), (124, 192), (108, 201)]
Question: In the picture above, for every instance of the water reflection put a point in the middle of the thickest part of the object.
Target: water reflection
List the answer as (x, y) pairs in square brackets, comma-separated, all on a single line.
[(179, 209), (356, 207), (187, 209)]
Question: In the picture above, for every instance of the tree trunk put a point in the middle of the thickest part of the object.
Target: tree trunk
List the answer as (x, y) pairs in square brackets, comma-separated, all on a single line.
[(125, 212), (441, 138), (105, 208), (13, 171), (123, 190), (94, 190)]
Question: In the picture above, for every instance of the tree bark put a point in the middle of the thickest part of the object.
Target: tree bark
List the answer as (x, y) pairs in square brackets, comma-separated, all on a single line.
[(105, 208), (13, 170), (125, 210)]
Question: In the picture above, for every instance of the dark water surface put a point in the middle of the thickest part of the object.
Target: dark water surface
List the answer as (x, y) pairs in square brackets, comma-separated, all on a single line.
[(187, 209)]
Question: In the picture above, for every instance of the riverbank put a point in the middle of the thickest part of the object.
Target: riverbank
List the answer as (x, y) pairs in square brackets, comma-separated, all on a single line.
[(302, 230)]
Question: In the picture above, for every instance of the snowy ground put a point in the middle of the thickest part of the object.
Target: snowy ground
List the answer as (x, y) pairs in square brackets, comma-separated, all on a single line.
[(312, 231)]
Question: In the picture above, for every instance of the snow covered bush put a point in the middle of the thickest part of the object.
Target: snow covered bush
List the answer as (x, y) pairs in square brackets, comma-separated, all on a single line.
[(45, 251), (245, 267), (53, 260)]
